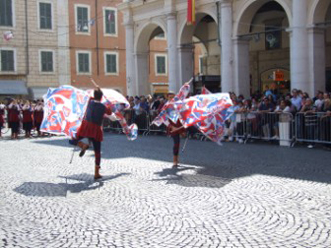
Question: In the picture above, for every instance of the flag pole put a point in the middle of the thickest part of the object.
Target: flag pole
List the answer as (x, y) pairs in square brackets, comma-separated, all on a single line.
[(184, 146), (72, 155), (94, 83)]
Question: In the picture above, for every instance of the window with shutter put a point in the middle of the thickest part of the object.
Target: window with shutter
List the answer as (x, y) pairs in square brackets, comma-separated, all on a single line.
[(160, 65), (110, 21), (82, 19), (46, 61), (111, 60), (7, 60), (6, 13), (83, 63), (45, 15)]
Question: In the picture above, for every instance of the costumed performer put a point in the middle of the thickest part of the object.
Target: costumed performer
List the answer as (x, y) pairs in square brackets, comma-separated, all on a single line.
[(175, 130), (91, 128)]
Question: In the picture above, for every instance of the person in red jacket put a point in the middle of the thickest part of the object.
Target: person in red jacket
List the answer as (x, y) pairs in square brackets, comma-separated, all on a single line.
[(14, 118), (2, 113), (38, 116), (175, 130), (27, 118), (91, 128)]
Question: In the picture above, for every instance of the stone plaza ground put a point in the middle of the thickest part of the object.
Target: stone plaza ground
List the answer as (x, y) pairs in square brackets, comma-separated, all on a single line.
[(235, 195)]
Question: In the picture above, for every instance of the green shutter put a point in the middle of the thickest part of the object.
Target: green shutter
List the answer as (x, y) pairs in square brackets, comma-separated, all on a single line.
[(111, 63), (46, 61), (7, 60), (6, 13), (45, 15), (83, 62), (49, 15), (110, 22), (82, 18)]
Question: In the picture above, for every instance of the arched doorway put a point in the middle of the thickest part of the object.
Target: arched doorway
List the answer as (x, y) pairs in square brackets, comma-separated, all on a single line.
[(320, 45), (199, 52), (151, 61), (262, 30)]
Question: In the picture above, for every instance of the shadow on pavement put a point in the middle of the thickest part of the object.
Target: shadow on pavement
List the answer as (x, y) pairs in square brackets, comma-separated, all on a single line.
[(232, 160), (197, 179), (42, 189)]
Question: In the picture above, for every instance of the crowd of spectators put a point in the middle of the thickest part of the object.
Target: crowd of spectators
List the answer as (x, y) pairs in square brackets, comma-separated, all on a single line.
[(21, 116), (261, 111), (259, 114)]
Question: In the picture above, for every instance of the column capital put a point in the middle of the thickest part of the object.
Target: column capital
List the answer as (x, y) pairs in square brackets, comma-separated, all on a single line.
[(225, 3), (141, 54), (315, 29), (186, 48), (128, 24), (242, 39), (171, 15)]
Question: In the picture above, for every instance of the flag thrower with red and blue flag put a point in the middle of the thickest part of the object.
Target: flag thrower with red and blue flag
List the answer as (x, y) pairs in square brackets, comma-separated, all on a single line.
[(65, 107), (213, 127), (207, 112), (168, 111), (117, 102)]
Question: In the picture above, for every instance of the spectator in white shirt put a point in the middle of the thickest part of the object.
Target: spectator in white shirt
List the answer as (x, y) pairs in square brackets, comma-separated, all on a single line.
[(319, 101), (296, 100)]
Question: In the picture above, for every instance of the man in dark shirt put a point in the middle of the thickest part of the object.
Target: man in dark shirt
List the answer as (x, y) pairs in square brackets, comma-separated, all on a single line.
[(91, 128)]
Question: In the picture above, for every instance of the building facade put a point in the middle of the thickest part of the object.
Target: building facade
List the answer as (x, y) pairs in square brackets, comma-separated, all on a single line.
[(245, 42), (35, 46), (98, 49)]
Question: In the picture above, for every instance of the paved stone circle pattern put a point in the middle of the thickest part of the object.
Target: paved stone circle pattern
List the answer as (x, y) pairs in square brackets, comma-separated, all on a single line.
[(235, 195)]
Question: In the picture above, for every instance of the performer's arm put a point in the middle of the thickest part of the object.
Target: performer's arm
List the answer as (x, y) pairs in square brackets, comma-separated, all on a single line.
[(108, 111), (174, 129)]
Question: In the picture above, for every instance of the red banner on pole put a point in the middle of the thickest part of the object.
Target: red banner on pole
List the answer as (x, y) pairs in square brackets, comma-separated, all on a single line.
[(189, 12)]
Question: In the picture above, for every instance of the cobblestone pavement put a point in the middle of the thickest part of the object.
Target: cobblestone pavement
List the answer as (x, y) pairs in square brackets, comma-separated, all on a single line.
[(235, 195)]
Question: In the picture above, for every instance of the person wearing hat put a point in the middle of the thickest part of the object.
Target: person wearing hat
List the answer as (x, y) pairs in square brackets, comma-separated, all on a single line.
[(175, 130)]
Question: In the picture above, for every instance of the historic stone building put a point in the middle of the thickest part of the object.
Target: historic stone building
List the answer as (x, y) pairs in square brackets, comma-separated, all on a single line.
[(243, 41), (35, 53)]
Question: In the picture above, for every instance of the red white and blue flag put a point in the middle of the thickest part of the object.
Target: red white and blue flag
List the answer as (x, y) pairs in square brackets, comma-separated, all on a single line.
[(213, 127), (116, 101), (208, 112), (168, 111), (65, 109)]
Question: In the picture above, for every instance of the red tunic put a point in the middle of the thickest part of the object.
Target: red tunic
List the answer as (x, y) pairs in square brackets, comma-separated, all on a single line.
[(38, 116), (14, 115), (27, 116), (175, 125), (2, 119), (91, 126)]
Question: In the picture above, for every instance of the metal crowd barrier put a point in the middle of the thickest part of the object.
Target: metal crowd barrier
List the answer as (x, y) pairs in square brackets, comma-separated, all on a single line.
[(262, 126), (154, 128), (271, 126), (313, 127)]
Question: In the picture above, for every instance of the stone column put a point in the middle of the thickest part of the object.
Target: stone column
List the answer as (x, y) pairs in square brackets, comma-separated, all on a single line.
[(141, 87), (131, 88), (241, 66), (299, 47), (225, 27), (64, 70), (316, 38), (172, 53), (186, 63)]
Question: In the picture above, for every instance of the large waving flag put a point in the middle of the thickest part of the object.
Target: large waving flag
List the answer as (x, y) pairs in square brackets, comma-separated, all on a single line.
[(64, 110), (116, 101), (168, 111), (213, 127), (202, 107)]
